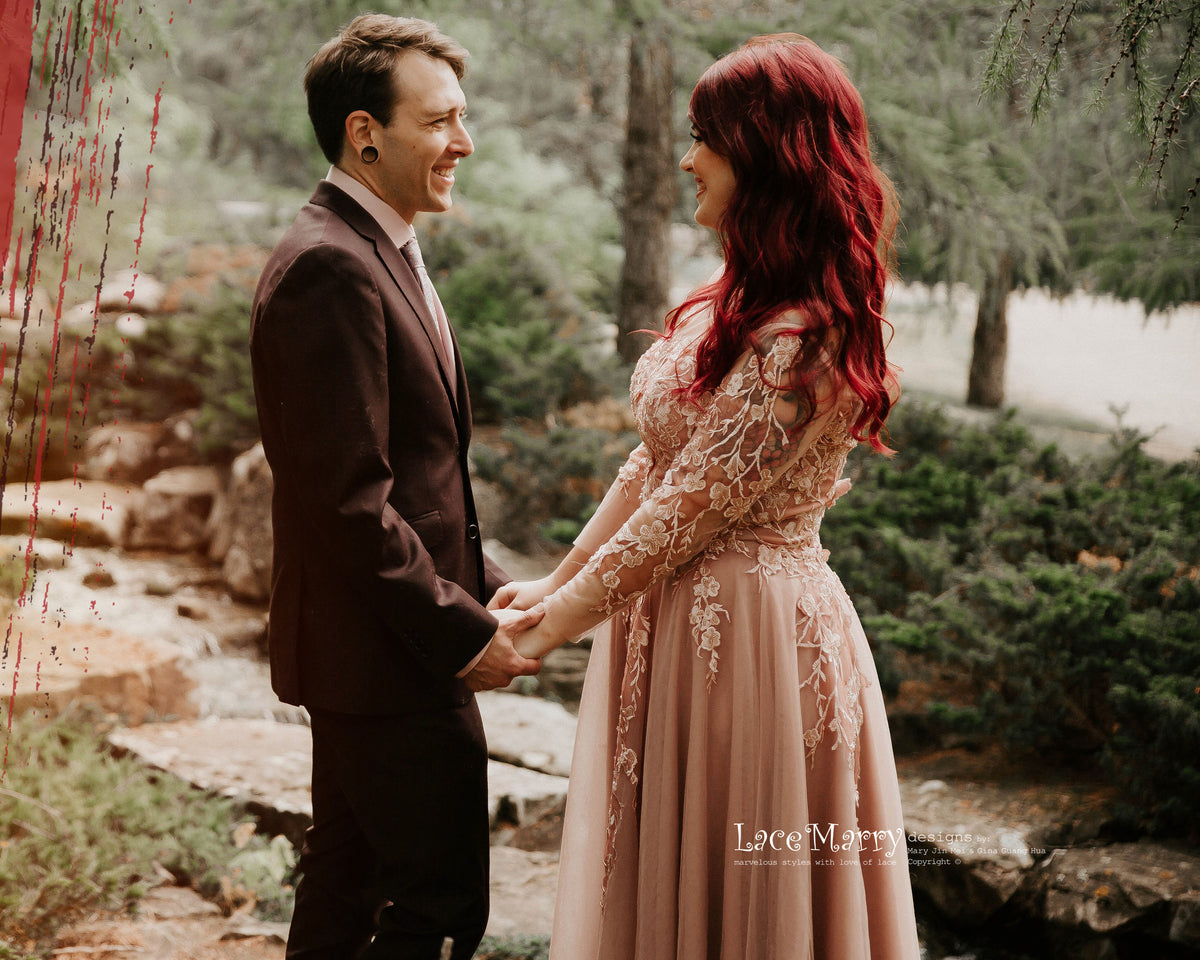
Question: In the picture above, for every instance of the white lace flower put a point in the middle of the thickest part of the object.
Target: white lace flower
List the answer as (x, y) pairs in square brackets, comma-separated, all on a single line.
[(704, 617), (652, 537)]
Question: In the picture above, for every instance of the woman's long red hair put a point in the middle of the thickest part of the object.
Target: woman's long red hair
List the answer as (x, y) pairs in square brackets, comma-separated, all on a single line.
[(808, 228)]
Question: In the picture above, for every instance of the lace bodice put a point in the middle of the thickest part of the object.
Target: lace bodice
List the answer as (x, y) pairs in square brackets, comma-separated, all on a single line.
[(787, 500), (742, 465)]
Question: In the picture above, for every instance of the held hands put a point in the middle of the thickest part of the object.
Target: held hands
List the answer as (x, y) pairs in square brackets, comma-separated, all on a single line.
[(501, 662), (539, 639), (550, 631), (521, 596)]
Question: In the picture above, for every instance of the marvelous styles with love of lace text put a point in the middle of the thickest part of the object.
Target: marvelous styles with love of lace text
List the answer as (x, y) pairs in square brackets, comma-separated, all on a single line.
[(820, 837)]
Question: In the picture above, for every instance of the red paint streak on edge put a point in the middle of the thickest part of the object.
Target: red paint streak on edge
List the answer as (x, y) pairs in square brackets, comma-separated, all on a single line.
[(16, 52)]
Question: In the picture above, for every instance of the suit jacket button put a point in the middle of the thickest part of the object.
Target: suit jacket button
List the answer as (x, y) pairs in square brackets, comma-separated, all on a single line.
[(472, 532)]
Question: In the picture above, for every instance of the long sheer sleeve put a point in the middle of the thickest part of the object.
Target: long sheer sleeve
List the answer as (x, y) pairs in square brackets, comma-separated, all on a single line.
[(618, 504), (751, 433)]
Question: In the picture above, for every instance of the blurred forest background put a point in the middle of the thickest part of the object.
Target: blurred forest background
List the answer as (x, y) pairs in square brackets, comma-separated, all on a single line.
[(1047, 603)]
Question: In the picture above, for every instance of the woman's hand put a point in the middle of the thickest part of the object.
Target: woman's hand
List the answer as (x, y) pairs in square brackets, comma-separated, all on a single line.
[(518, 595), (538, 640)]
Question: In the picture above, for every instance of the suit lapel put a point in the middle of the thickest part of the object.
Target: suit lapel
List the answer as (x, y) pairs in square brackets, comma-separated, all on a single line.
[(327, 195)]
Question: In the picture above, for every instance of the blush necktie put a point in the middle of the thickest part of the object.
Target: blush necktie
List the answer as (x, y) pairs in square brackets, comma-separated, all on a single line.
[(412, 253)]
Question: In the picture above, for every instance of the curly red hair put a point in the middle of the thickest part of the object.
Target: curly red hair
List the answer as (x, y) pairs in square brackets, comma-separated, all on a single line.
[(808, 227)]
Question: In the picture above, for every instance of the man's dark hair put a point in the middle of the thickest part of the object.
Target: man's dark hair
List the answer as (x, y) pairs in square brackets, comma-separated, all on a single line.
[(355, 71)]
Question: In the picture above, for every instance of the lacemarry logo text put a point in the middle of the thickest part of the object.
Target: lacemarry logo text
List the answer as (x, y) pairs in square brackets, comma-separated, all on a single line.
[(818, 837)]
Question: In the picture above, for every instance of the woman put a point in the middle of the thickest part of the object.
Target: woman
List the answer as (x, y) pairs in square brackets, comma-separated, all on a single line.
[(733, 793)]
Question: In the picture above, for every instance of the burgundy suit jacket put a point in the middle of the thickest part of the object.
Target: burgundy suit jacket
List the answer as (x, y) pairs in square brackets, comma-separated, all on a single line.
[(379, 574)]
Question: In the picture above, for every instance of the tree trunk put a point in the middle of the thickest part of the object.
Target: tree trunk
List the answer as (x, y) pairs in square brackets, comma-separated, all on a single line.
[(985, 383), (650, 188)]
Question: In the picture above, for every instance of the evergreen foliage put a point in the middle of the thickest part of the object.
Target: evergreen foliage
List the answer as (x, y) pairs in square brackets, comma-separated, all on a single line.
[(1156, 45), (1066, 594), (551, 481), (86, 831)]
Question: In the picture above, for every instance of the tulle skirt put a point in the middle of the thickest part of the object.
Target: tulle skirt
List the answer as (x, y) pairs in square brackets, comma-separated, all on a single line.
[(735, 800)]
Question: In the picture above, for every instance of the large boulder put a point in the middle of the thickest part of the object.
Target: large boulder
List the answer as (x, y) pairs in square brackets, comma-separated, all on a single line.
[(135, 452), (528, 732), (1022, 856), (128, 452), (173, 510), (53, 665), (241, 529), (1147, 890), (76, 512), (130, 290)]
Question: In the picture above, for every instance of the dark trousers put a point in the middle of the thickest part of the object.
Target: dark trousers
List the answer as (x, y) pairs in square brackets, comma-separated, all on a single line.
[(397, 856)]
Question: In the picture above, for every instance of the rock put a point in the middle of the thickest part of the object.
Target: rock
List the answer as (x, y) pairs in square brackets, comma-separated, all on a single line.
[(1122, 887), (173, 510), (35, 555), (608, 414), (130, 290), (77, 512), (243, 927), (970, 854), (131, 325), (268, 766), (81, 318), (200, 937), (52, 665), (176, 903), (237, 687), (528, 732), (523, 885), (965, 856), (1185, 918), (40, 306), (261, 763), (519, 796), (127, 451), (241, 533), (99, 579), (519, 566), (562, 674)]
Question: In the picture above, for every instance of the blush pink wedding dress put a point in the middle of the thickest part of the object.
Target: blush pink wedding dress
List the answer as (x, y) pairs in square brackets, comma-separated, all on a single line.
[(733, 794)]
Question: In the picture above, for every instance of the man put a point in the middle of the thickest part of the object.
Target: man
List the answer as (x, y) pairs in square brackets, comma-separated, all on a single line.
[(378, 624)]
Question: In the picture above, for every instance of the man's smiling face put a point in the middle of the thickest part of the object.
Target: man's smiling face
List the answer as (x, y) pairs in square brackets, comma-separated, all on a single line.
[(420, 148)]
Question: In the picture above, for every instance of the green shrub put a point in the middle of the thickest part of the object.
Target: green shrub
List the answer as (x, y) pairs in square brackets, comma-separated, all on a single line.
[(551, 481), (196, 358), (85, 831), (521, 947), (1067, 595)]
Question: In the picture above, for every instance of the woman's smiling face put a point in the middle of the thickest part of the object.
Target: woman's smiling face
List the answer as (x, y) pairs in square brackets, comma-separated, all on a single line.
[(715, 180)]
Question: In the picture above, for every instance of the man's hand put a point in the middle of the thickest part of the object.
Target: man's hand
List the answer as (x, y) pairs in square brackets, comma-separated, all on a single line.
[(501, 662)]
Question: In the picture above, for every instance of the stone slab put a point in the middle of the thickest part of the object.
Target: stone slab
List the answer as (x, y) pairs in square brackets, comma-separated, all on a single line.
[(268, 766), (524, 885), (528, 731), (80, 512), (262, 763), (48, 664)]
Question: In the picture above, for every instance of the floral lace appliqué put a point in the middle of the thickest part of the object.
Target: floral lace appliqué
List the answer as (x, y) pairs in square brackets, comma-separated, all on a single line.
[(738, 471)]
